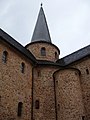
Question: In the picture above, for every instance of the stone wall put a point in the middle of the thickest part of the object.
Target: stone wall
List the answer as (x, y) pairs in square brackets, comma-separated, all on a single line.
[(68, 95), (52, 53), (15, 86), (84, 66), (70, 101), (43, 90)]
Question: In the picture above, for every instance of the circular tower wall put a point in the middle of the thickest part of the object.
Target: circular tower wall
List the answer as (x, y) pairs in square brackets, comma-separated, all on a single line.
[(68, 95), (44, 51)]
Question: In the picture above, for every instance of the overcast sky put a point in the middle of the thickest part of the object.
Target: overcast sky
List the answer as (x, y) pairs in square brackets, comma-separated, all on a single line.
[(68, 21)]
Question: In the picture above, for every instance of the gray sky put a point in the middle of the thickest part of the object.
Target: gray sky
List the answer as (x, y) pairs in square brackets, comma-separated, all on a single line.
[(68, 21)]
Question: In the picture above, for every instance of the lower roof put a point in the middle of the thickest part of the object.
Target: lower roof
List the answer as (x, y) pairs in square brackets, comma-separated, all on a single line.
[(78, 55)]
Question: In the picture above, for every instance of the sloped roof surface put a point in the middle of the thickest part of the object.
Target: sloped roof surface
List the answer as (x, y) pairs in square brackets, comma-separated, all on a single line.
[(16, 45), (41, 31), (61, 62), (75, 56)]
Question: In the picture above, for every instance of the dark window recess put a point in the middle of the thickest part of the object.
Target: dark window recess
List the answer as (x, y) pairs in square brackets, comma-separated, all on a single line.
[(87, 71), (56, 55), (43, 51), (20, 104), (22, 67), (37, 104), (83, 117), (4, 56), (58, 106), (0, 98)]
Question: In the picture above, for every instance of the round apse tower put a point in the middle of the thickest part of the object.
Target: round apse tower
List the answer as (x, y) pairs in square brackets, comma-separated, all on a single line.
[(41, 45)]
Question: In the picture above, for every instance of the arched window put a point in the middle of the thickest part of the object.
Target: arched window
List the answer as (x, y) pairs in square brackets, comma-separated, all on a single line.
[(43, 51), (4, 56), (22, 67), (87, 71), (56, 55), (20, 104)]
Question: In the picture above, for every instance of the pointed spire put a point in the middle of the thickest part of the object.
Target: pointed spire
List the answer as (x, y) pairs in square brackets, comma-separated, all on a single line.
[(41, 31)]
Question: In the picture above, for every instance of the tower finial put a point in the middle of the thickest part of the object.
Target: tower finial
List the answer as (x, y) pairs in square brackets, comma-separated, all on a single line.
[(41, 4)]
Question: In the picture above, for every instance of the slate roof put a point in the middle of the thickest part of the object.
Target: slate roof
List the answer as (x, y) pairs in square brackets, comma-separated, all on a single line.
[(16, 45), (41, 31), (82, 53)]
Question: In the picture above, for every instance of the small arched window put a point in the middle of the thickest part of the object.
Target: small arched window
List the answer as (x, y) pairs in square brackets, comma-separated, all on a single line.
[(43, 51), (4, 56), (56, 55), (20, 104), (22, 67), (87, 71)]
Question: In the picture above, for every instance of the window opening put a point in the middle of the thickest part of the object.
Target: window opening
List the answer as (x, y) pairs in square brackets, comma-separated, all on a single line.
[(37, 104), (83, 117), (0, 98), (87, 71), (20, 104), (43, 51), (22, 67), (56, 55), (4, 56)]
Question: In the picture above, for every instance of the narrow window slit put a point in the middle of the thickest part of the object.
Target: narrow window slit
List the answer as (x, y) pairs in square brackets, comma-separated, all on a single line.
[(87, 71), (4, 56), (83, 117), (56, 55), (20, 104), (37, 104), (43, 51), (22, 67)]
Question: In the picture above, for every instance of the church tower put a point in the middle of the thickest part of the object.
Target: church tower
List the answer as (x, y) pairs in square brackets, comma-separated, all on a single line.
[(41, 45), (43, 93)]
